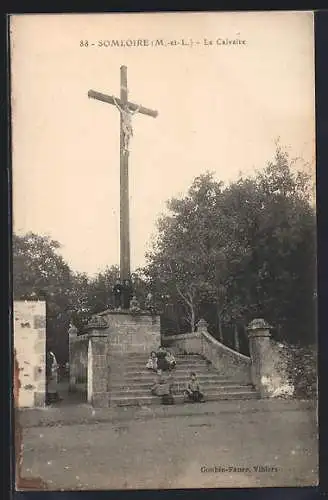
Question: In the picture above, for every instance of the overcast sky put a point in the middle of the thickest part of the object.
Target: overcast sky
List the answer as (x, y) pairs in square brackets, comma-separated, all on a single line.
[(220, 109)]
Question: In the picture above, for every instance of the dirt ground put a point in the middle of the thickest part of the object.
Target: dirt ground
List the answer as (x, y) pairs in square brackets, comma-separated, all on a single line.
[(232, 449)]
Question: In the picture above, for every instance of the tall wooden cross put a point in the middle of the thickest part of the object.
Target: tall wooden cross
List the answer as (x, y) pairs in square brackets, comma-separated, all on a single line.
[(127, 109)]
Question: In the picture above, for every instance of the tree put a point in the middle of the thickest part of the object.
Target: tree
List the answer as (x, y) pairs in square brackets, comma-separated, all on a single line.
[(39, 272), (243, 250), (186, 262)]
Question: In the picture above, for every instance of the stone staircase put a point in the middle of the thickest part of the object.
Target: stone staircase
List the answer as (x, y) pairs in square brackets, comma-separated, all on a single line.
[(130, 385)]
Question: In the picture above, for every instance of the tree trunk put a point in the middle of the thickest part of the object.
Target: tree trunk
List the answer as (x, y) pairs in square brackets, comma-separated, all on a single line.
[(192, 319), (189, 299), (236, 338)]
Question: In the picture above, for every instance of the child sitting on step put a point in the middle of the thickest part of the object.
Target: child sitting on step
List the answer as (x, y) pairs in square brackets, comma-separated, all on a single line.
[(152, 362), (193, 392)]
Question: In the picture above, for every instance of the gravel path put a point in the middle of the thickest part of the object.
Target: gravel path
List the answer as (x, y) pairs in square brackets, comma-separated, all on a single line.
[(177, 452)]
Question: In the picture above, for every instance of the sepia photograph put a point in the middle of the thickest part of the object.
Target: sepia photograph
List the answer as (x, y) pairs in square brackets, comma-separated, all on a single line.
[(164, 309)]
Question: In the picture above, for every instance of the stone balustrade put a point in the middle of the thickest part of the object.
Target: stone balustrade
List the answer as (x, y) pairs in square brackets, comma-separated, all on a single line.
[(226, 361), (262, 368)]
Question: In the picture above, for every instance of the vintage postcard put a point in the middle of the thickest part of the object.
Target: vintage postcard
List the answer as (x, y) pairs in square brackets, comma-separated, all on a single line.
[(164, 250)]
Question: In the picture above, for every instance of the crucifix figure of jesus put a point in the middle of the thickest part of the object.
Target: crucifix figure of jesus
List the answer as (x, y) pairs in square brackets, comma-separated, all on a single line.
[(127, 109)]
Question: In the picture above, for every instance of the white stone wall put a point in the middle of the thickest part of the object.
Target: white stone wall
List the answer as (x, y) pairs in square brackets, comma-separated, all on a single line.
[(29, 318)]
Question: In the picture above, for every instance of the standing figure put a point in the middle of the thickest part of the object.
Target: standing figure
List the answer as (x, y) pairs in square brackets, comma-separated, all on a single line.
[(72, 330), (52, 378), (117, 292), (134, 305), (127, 294), (149, 303)]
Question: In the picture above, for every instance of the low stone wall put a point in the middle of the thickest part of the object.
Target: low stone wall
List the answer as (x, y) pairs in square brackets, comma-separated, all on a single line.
[(189, 343), (227, 362)]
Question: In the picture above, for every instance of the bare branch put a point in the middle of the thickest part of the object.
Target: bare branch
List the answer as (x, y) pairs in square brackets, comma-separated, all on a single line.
[(183, 296)]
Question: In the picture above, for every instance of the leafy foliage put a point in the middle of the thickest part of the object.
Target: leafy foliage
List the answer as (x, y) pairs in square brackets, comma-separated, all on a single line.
[(302, 368), (243, 250), (297, 367)]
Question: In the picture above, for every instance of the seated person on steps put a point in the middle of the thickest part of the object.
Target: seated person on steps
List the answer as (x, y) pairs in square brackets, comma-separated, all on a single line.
[(193, 392), (162, 362), (170, 359), (163, 388), (152, 361)]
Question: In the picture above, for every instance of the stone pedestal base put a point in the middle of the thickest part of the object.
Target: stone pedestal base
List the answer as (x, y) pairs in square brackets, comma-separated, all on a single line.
[(129, 333)]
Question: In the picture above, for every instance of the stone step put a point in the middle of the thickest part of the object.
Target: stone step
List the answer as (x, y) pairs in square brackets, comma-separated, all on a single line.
[(145, 355), (212, 382), (142, 358), (178, 369), (182, 375), (131, 381), (141, 392), (175, 374), (155, 400), (185, 365)]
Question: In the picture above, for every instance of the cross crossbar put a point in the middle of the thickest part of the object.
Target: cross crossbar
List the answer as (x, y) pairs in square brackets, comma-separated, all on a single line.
[(113, 100)]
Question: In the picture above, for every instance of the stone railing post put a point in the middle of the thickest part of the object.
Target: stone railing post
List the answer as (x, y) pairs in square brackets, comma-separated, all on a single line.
[(202, 326), (261, 354), (98, 364), (98, 370)]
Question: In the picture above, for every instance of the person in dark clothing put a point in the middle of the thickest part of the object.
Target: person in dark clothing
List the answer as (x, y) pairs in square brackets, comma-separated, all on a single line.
[(117, 292), (162, 362), (127, 294)]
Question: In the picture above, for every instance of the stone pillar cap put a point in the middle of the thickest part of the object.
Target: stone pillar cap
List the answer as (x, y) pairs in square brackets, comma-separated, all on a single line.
[(202, 323), (258, 324)]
